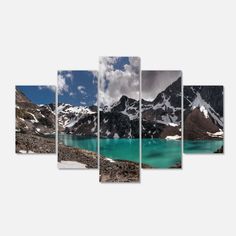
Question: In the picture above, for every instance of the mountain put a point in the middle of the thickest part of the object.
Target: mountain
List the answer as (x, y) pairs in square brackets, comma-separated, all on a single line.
[(203, 112), (79, 120), (161, 118), (35, 126), (32, 118), (121, 120)]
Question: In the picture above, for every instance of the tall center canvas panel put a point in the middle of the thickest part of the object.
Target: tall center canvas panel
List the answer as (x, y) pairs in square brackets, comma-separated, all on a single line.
[(161, 119), (119, 86), (77, 119)]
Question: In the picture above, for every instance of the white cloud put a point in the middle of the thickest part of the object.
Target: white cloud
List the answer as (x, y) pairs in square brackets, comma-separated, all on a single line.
[(115, 82), (50, 87), (69, 75), (61, 84), (154, 82), (95, 73), (63, 77), (83, 103), (81, 89)]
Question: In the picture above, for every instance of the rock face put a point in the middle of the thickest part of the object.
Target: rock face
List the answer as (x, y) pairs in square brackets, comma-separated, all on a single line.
[(162, 116), (35, 125), (203, 112), (121, 120)]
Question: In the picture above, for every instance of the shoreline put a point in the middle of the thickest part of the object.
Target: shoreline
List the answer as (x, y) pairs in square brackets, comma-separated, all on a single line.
[(110, 170), (87, 158)]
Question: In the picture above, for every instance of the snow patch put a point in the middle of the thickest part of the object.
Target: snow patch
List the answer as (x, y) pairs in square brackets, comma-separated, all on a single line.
[(205, 112), (24, 151), (172, 124), (109, 159), (206, 109), (70, 165), (35, 119), (108, 133), (174, 137), (218, 134), (116, 135), (71, 122), (93, 129), (105, 121)]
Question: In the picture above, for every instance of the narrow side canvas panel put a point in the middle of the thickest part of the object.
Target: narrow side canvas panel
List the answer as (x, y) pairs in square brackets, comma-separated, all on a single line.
[(203, 119), (161, 119), (119, 97), (35, 119), (77, 119)]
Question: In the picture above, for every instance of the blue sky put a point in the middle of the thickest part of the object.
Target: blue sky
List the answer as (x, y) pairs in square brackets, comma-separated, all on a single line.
[(39, 94), (78, 88), (121, 61)]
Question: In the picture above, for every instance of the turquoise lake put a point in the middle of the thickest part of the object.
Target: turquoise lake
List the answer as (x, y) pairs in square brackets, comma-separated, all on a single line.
[(202, 146), (161, 153), (120, 149), (75, 141)]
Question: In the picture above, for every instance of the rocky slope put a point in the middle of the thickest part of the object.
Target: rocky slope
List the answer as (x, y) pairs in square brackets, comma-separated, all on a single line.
[(119, 170), (110, 170), (161, 118), (203, 112), (31, 143), (35, 124), (87, 158)]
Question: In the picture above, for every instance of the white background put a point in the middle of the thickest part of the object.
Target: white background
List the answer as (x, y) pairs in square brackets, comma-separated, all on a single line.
[(40, 37)]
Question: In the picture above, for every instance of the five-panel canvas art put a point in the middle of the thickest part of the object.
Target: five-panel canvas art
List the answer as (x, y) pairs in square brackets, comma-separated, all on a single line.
[(119, 119)]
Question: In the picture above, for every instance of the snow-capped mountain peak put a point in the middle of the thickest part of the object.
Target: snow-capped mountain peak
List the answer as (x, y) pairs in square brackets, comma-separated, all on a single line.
[(204, 106)]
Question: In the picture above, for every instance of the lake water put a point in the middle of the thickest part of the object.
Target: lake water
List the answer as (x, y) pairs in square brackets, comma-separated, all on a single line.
[(202, 146), (161, 153), (120, 149), (75, 141), (158, 153)]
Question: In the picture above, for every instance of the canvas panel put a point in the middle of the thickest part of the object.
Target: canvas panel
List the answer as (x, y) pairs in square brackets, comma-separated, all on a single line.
[(119, 95), (161, 119), (77, 119)]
